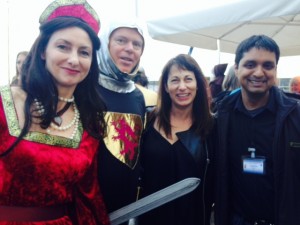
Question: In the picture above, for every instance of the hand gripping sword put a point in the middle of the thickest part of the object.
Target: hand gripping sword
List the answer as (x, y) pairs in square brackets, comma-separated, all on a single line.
[(154, 200)]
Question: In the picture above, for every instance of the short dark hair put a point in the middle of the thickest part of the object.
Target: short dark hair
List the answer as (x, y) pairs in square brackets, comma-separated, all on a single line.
[(259, 42)]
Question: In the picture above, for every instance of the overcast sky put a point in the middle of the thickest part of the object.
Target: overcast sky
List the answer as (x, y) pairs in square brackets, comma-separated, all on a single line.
[(19, 28)]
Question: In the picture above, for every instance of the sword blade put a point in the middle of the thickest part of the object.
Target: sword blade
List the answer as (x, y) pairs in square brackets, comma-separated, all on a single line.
[(154, 200)]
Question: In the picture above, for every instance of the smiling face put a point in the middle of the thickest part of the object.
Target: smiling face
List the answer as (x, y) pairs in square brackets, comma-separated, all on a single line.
[(182, 87), (68, 56), (126, 47), (256, 72)]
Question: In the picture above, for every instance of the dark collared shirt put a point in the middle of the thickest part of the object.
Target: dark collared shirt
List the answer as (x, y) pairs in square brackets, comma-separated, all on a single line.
[(252, 195)]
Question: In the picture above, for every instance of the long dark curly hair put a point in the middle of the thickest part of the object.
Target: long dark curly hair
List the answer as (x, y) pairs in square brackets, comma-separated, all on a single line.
[(38, 83)]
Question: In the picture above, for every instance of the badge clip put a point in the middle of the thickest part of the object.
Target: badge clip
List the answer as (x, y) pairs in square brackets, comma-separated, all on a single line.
[(252, 150)]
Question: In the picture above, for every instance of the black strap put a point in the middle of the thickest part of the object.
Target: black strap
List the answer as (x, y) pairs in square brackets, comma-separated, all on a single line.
[(64, 109)]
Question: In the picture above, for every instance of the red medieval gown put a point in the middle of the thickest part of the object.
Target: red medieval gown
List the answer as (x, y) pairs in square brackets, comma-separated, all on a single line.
[(44, 170)]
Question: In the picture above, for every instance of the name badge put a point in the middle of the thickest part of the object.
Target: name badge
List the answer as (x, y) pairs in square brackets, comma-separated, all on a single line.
[(254, 165)]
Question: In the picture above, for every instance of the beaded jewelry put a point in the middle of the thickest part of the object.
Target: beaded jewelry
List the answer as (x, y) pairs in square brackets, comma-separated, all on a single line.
[(66, 99), (39, 107), (74, 122), (54, 125)]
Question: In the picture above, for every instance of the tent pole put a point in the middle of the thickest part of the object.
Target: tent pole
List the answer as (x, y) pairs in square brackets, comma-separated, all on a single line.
[(137, 9), (191, 50), (219, 51), (8, 42)]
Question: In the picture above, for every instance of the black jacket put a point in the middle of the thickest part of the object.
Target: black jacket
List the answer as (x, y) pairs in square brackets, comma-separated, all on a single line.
[(286, 160), (201, 165)]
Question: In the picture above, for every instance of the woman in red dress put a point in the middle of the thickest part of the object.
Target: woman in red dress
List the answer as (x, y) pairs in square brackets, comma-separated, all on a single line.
[(51, 126)]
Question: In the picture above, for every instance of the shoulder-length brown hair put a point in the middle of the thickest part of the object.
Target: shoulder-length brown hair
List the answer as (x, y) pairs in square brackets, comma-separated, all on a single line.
[(202, 117)]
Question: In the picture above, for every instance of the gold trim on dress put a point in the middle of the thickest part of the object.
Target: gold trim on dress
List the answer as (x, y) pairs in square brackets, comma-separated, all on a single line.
[(14, 128)]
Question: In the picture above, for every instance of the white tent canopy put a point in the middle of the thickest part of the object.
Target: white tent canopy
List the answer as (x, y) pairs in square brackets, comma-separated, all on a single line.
[(224, 27)]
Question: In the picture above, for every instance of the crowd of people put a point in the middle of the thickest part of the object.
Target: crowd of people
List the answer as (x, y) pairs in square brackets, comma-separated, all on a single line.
[(82, 136)]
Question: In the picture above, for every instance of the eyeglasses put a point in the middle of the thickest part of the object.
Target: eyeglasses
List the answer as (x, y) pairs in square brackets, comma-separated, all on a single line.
[(137, 45)]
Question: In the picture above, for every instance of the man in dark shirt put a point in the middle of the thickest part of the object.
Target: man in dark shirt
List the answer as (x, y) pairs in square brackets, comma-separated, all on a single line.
[(258, 153)]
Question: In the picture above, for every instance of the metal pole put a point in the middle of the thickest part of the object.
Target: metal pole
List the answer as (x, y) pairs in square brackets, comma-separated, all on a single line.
[(191, 50), (8, 42), (137, 8), (219, 51)]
